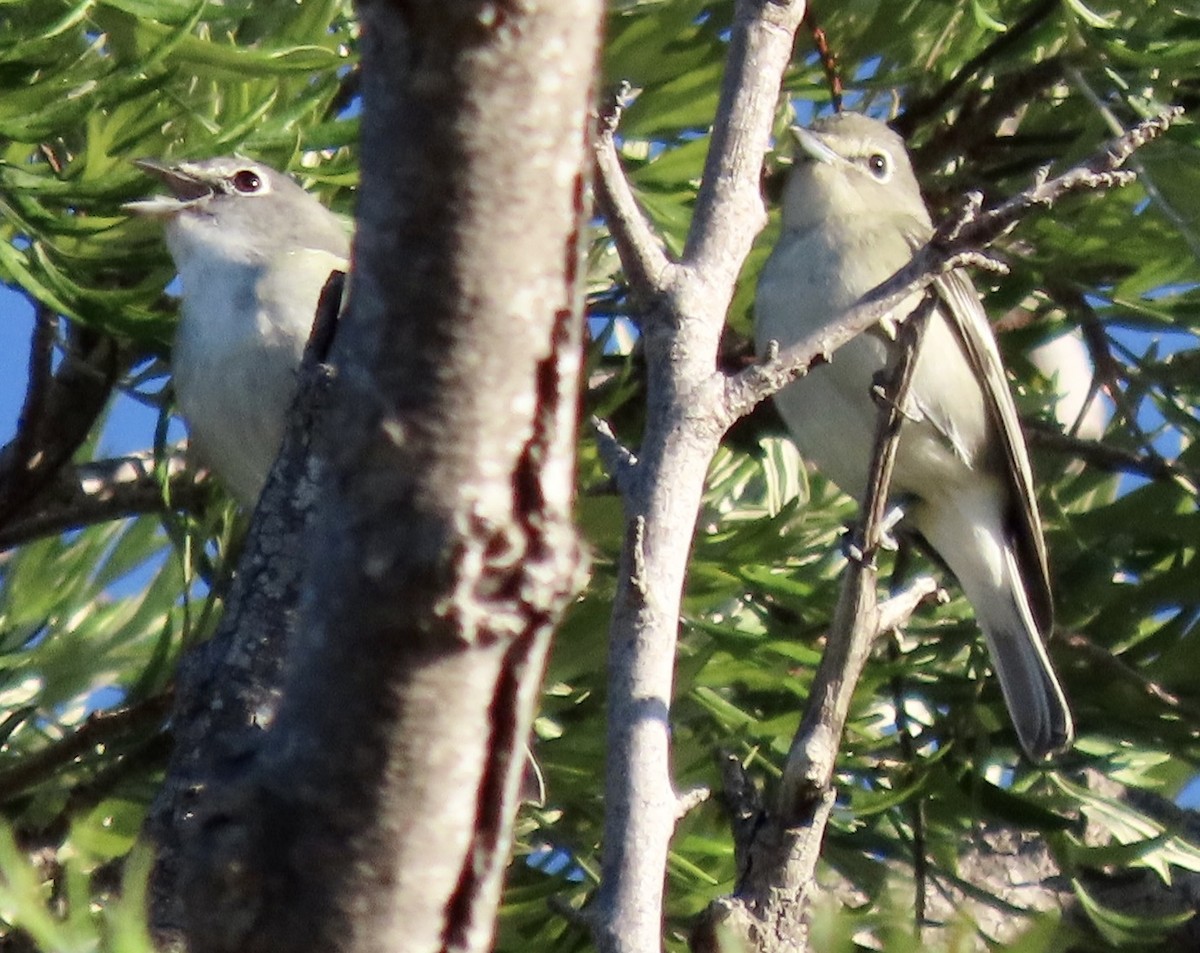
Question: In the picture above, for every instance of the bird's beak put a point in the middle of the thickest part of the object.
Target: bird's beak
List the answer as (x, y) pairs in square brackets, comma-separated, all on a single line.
[(812, 147), (185, 182)]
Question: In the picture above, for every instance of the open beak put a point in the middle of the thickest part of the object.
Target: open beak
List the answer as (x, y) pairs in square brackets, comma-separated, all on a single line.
[(186, 185)]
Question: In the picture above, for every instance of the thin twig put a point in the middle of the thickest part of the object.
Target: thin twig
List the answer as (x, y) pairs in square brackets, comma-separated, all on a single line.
[(645, 264), (100, 728), (141, 758), (619, 460), (916, 806), (974, 131), (780, 366), (829, 63), (59, 412), (1103, 170), (772, 899), (1096, 341), (105, 490), (1039, 433), (691, 799), (744, 803), (933, 104), (1182, 225), (896, 610), (809, 769), (1101, 659), (952, 246), (1111, 373)]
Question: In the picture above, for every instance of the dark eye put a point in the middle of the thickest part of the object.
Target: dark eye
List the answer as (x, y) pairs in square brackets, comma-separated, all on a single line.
[(247, 180), (877, 162)]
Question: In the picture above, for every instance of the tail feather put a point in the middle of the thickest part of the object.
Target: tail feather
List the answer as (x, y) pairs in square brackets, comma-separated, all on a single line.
[(1034, 697), (967, 531)]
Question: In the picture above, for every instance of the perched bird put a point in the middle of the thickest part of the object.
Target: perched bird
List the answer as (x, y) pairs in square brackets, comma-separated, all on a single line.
[(254, 251), (852, 216)]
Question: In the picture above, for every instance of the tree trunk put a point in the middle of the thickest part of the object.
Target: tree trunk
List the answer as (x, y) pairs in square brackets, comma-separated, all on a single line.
[(377, 815)]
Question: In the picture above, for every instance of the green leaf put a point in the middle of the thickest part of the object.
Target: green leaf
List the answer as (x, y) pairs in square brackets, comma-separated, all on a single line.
[(1125, 929), (1090, 17)]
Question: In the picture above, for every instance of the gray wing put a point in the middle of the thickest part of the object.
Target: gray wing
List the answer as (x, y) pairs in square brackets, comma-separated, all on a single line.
[(966, 317)]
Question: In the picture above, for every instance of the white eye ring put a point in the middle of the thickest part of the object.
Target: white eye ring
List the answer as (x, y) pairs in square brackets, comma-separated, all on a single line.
[(880, 165), (247, 181)]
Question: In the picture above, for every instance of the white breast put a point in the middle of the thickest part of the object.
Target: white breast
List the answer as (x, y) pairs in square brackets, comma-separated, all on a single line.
[(830, 412), (235, 367)]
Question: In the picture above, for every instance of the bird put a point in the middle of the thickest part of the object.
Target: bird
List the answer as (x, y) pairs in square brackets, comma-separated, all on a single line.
[(253, 251), (852, 215)]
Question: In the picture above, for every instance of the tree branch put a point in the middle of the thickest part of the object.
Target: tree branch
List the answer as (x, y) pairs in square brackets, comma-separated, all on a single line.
[(935, 103), (663, 492), (59, 409), (829, 63), (100, 729), (952, 246), (1110, 372), (618, 459), (729, 209), (769, 911), (1096, 453), (809, 770), (228, 688), (778, 368), (442, 551), (1102, 170), (643, 261), (104, 490)]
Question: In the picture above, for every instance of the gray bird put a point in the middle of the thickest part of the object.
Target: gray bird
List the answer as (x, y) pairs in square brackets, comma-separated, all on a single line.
[(852, 216), (254, 251)]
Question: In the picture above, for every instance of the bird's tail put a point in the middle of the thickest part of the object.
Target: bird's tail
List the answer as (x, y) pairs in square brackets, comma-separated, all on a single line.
[(977, 550), (1034, 697)]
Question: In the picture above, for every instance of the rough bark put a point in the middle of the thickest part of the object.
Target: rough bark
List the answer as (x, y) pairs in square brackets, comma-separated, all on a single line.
[(377, 814), (228, 688)]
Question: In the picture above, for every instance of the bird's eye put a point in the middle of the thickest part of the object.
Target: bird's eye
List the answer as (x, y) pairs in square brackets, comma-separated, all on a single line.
[(879, 165), (247, 181)]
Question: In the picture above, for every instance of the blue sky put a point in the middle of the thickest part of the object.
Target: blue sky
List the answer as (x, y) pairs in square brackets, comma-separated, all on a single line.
[(130, 426)]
